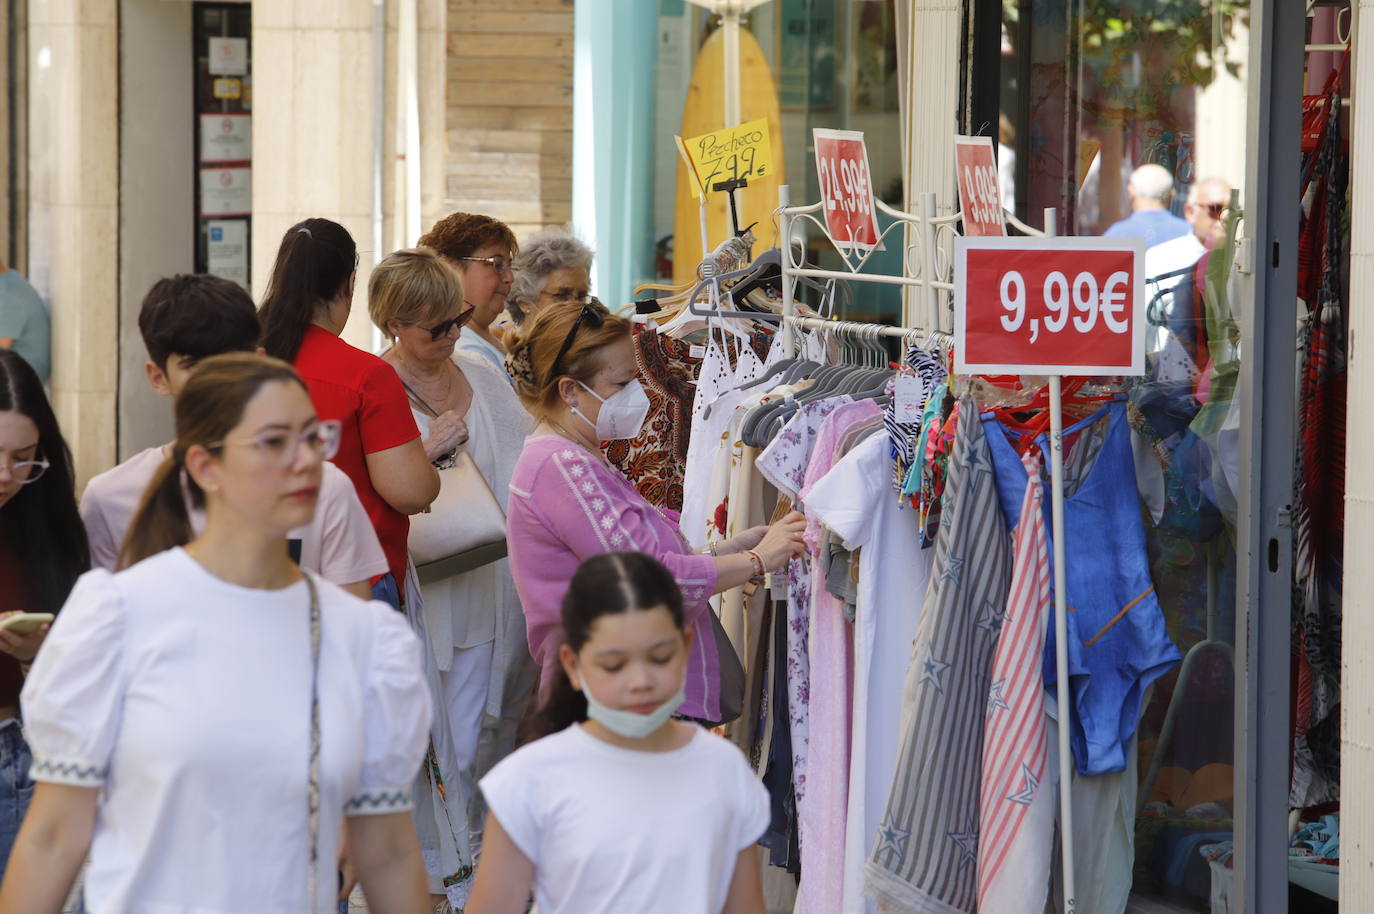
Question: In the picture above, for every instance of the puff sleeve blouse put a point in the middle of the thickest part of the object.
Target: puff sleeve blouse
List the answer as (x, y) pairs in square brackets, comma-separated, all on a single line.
[(186, 700)]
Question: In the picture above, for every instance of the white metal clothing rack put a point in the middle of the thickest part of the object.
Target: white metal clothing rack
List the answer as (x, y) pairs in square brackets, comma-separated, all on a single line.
[(927, 274)]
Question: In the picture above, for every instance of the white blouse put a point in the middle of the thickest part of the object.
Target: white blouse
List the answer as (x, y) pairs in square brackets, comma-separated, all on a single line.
[(187, 700)]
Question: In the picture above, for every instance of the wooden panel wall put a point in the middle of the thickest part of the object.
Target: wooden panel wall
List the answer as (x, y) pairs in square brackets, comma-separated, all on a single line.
[(510, 96)]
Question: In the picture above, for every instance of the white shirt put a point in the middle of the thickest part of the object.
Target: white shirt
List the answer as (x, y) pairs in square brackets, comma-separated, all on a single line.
[(340, 544), (612, 830), (187, 699), (857, 501), (471, 342)]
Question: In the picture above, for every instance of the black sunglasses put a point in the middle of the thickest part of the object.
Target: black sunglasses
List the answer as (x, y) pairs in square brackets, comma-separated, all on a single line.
[(595, 314), (440, 330), (1216, 209)]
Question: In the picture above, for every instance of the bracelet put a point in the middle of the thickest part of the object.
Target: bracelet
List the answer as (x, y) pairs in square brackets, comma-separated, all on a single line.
[(712, 548), (759, 568)]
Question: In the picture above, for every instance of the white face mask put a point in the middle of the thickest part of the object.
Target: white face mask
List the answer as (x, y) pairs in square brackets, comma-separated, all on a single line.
[(629, 724), (622, 413)]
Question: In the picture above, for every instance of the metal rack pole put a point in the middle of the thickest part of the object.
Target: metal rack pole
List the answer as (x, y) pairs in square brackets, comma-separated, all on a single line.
[(1061, 626)]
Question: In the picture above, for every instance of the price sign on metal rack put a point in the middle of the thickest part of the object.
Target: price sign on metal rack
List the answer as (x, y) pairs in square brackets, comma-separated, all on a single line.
[(846, 188), (1049, 306), (980, 196)]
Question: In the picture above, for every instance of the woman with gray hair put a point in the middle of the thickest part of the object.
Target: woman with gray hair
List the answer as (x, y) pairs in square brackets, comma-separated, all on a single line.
[(552, 267)]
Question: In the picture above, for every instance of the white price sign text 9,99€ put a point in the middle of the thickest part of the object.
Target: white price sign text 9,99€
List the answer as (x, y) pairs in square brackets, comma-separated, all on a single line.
[(1065, 306)]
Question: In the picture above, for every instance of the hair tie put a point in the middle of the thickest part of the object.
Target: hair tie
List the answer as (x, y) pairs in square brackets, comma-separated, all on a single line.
[(306, 231)]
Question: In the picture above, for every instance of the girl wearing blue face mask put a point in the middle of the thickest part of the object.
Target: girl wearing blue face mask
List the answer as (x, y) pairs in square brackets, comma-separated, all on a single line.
[(619, 807)]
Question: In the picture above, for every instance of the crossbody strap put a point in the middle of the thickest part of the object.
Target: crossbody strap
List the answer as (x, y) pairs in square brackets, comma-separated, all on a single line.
[(314, 793)]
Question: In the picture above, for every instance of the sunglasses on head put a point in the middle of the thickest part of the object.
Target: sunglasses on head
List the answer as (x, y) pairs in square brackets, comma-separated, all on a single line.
[(594, 314), (440, 330)]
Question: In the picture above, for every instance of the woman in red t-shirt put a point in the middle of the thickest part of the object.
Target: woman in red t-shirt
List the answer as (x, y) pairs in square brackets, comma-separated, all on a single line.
[(42, 552), (308, 299)]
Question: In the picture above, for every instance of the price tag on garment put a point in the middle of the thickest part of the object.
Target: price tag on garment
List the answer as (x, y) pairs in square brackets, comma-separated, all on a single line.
[(1061, 306), (980, 195), (846, 188), (740, 153), (909, 398)]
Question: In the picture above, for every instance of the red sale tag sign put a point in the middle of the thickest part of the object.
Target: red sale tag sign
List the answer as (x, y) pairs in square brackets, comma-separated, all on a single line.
[(1049, 306), (846, 188), (980, 196)]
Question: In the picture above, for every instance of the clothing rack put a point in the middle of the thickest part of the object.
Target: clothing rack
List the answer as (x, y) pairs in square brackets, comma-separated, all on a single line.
[(927, 261)]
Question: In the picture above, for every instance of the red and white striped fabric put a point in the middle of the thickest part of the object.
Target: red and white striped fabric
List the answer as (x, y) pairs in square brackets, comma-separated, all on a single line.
[(1017, 804)]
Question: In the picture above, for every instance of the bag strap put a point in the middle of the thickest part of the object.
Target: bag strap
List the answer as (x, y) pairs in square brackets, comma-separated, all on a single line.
[(313, 799)]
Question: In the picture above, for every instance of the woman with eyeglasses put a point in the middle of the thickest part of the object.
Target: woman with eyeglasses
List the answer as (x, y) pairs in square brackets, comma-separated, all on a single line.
[(42, 552), (552, 268), (480, 248), (575, 370), (309, 297), (481, 675), (210, 721)]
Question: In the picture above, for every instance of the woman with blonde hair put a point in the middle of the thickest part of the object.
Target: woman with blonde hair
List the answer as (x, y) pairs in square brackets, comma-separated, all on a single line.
[(211, 719), (481, 675), (574, 369)]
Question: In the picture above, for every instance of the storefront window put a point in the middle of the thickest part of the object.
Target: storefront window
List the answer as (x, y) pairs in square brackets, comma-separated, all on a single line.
[(834, 65), (1092, 90)]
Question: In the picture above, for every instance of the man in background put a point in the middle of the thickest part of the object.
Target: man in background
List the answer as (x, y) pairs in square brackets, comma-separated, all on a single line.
[(24, 323), (1150, 188)]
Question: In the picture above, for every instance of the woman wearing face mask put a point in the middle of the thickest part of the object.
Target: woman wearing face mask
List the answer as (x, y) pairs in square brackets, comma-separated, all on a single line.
[(211, 719), (620, 808), (574, 369)]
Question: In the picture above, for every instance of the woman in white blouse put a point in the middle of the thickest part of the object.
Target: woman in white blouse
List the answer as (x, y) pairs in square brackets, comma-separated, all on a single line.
[(481, 674), (209, 720)]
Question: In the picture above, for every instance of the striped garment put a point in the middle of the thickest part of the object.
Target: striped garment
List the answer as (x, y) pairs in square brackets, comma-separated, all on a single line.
[(925, 856), (1017, 807)]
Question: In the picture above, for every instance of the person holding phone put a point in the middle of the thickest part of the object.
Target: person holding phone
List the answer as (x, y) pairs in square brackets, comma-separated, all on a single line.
[(42, 552), (210, 721)]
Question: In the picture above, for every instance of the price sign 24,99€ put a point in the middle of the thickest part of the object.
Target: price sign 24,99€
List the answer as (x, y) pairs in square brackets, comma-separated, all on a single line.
[(1049, 306), (846, 188)]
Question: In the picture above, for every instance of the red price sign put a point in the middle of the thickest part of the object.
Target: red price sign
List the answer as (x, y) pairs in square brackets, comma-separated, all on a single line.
[(980, 197), (846, 188), (1065, 306)]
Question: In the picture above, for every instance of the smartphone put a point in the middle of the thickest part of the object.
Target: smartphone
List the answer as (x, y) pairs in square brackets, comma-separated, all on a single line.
[(24, 623)]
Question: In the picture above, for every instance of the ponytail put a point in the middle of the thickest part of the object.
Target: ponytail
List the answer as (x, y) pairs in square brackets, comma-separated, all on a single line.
[(314, 261), (209, 407), (161, 521), (562, 707)]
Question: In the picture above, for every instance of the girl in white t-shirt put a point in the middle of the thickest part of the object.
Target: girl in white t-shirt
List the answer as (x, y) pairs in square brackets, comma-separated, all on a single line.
[(621, 808), (209, 721)]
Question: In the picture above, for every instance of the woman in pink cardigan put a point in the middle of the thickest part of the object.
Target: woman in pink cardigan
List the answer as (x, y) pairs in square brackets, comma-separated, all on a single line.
[(574, 369)]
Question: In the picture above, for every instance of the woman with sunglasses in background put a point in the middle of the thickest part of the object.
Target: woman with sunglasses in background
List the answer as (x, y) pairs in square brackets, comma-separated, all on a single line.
[(575, 370), (309, 297), (209, 720), (480, 248), (481, 675), (42, 552)]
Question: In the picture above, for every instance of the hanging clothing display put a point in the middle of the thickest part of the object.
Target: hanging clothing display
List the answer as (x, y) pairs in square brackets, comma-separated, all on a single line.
[(926, 855)]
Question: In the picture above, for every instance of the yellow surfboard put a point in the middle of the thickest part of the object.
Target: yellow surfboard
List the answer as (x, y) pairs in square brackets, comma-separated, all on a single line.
[(704, 112)]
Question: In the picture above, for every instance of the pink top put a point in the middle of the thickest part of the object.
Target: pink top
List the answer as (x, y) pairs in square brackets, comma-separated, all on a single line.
[(565, 507)]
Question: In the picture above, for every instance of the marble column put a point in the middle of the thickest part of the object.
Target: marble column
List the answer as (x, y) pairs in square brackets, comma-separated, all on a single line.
[(74, 213)]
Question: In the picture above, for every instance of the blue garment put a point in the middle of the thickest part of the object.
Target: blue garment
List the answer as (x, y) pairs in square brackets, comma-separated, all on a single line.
[(24, 319), (1118, 643), (386, 590), (16, 787), (1156, 226)]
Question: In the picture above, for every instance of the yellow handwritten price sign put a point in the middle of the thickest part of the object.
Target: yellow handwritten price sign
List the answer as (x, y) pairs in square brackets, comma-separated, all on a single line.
[(735, 153)]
